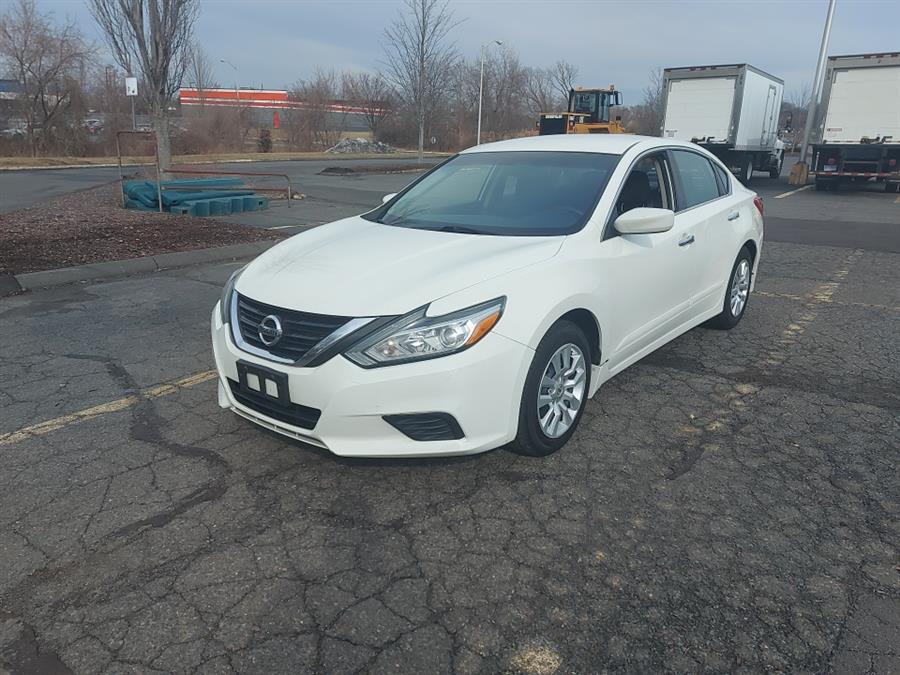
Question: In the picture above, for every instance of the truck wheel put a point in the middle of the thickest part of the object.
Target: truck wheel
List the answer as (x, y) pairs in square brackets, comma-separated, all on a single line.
[(747, 172), (821, 186), (892, 187), (775, 171)]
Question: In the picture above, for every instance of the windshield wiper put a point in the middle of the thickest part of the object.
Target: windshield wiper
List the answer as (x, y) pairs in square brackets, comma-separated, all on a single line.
[(459, 229)]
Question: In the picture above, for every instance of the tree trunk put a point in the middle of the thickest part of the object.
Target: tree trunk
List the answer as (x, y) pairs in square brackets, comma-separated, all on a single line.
[(163, 140), (421, 134)]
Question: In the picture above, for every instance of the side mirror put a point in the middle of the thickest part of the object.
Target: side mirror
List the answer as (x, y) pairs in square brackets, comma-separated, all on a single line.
[(645, 221), (387, 198)]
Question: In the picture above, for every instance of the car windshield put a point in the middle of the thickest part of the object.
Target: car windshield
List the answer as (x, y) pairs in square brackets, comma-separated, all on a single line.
[(504, 193)]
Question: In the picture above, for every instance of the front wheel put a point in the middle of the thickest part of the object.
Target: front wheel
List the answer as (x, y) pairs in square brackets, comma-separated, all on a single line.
[(737, 294), (775, 171), (555, 391)]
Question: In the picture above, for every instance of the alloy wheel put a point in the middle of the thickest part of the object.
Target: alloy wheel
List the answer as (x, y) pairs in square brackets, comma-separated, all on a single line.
[(561, 390), (740, 287)]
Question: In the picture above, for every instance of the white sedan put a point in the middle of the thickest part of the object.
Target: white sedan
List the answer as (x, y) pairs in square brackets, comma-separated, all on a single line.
[(486, 302)]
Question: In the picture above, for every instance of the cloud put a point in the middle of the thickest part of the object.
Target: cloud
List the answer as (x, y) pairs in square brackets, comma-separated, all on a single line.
[(275, 43)]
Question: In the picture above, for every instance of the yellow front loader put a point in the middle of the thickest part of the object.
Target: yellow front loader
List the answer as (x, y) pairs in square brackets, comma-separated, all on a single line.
[(588, 113)]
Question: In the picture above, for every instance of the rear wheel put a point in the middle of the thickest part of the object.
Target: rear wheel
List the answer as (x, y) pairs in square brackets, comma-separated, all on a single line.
[(747, 171), (892, 187), (555, 391), (737, 294)]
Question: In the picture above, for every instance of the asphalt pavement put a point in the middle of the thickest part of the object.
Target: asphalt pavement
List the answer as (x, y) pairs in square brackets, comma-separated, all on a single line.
[(729, 504), (23, 188)]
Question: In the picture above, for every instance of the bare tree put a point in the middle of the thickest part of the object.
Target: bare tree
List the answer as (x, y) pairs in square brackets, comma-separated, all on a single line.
[(315, 125), (654, 99), (800, 97), (563, 75), (200, 73), (505, 87), (419, 57), (540, 91), (372, 94), (152, 38), (49, 61)]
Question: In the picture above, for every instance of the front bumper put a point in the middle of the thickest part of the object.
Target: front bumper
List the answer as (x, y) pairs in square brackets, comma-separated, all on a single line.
[(480, 387)]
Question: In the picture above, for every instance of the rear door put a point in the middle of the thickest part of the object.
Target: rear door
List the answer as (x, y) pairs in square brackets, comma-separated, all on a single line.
[(699, 108), (708, 212)]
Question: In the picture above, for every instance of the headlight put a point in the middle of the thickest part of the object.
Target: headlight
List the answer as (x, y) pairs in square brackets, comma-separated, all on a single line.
[(225, 300), (416, 337)]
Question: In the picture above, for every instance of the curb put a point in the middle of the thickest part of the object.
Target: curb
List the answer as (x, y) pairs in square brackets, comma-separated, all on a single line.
[(124, 268)]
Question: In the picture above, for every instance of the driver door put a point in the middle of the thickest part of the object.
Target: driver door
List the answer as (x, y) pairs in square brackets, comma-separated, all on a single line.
[(651, 278)]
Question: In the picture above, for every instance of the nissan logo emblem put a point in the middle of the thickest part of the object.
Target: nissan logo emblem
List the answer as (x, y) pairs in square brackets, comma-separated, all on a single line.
[(270, 330)]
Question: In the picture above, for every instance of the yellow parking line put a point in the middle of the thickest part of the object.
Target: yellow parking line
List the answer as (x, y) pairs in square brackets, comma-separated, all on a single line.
[(792, 192), (104, 408), (830, 300)]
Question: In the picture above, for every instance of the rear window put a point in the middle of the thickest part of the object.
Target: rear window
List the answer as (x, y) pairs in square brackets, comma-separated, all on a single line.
[(504, 193), (721, 179)]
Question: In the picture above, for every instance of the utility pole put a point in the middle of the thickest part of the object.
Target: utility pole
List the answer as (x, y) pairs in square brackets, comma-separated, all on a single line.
[(800, 173), (481, 92)]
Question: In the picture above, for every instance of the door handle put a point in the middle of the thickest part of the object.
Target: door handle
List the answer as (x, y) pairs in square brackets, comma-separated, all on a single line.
[(686, 240), (734, 215)]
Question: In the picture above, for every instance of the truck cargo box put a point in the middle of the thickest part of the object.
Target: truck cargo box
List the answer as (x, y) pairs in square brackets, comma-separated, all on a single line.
[(856, 136), (860, 100), (737, 106)]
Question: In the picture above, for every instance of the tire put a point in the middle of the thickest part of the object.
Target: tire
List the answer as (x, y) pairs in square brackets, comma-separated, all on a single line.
[(821, 186), (775, 171), (747, 170), (532, 439), (728, 318), (892, 188)]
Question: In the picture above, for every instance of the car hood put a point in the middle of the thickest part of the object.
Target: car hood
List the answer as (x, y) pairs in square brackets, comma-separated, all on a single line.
[(355, 267)]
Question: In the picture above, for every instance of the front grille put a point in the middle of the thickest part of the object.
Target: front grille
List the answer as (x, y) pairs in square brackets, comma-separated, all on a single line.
[(293, 413), (302, 330), (435, 426)]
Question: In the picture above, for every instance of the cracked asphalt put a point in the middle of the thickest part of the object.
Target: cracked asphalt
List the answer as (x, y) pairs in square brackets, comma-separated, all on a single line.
[(729, 504)]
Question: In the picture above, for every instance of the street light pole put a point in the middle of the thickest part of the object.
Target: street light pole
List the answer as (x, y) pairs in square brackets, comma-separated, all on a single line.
[(818, 81), (481, 92), (237, 96)]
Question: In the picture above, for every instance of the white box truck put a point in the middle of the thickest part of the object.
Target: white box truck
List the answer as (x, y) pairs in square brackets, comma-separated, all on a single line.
[(856, 137), (731, 110)]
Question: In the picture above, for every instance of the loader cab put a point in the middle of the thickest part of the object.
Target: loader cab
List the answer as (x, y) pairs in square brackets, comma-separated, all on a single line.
[(594, 103)]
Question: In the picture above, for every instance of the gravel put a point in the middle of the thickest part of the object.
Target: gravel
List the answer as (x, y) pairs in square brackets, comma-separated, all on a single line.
[(360, 146), (89, 226)]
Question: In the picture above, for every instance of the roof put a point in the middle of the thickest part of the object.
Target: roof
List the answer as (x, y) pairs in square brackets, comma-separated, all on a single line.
[(611, 144)]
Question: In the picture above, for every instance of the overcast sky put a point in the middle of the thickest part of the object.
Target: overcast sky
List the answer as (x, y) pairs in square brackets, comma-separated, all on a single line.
[(276, 42)]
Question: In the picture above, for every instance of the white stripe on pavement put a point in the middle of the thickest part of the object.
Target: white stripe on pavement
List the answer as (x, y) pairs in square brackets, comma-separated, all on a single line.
[(792, 192)]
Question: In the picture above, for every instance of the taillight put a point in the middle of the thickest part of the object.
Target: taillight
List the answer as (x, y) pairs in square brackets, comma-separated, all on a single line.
[(831, 160), (758, 203), (892, 163)]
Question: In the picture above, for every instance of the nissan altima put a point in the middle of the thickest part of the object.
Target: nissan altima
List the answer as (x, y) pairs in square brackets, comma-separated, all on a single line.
[(490, 299)]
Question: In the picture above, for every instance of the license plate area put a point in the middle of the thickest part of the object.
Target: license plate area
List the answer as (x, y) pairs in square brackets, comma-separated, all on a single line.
[(259, 381)]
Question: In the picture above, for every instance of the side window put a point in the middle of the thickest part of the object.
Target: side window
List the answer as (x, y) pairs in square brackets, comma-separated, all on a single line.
[(646, 185), (696, 179), (722, 179)]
